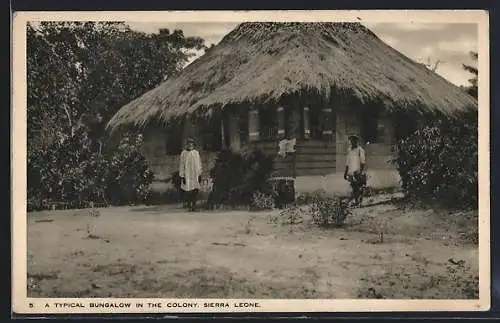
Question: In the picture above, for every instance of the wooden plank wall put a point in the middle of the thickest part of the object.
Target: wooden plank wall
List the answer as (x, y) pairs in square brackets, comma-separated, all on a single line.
[(312, 157)]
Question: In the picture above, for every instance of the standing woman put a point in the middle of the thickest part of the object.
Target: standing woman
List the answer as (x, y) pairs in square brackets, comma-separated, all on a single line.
[(190, 173)]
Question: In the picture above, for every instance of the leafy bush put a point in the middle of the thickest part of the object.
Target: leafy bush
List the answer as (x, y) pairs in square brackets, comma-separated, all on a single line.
[(59, 172), (128, 175), (308, 198), (34, 204), (439, 162), (329, 211), (237, 176), (71, 170), (261, 201)]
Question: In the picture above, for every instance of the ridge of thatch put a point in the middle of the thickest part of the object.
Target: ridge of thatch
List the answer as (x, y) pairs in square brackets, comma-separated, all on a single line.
[(261, 62)]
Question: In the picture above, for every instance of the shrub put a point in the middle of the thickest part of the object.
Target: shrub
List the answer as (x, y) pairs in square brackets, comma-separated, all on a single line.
[(237, 176), (329, 211), (34, 204), (439, 162), (261, 201), (72, 171), (308, 198), (59, 172), (128, 176)]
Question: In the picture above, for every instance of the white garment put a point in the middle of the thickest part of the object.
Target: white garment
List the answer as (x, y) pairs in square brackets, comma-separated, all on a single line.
[(290, 145), (355, 157), (282, 148), (286, 146), (190, 169)]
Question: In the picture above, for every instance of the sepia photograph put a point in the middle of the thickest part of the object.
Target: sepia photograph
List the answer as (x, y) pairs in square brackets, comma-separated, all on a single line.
[(222, 163)]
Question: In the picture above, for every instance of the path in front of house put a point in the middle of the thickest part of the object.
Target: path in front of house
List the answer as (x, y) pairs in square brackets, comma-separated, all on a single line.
[(167, 252)]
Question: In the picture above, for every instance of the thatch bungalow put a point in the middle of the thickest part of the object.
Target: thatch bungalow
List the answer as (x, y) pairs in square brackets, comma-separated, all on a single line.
[(316, 82)]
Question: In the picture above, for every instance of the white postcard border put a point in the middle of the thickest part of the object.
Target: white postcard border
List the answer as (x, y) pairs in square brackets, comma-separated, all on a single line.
[(24, 305)]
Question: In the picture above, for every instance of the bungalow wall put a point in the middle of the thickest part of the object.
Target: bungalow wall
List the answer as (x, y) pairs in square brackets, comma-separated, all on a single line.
[(162, 152), (315, 149), (318, 152), (323, 150), (377, 148)]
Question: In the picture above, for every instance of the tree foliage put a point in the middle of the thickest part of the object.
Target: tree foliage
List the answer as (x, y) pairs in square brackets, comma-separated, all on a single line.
[(72, 172), (79, 75), (439, 161), (472, 89)]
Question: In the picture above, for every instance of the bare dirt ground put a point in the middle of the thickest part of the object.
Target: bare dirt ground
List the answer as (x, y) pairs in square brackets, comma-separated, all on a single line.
[(384, 251)]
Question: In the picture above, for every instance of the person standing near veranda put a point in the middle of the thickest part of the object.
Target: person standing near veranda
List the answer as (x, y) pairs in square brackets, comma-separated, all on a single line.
[(190, 169), (354, 169)]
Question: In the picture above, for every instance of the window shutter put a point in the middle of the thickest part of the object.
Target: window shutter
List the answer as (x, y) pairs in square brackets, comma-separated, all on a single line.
[(281, 122), (253, 124), (307, 125), (327, 122)]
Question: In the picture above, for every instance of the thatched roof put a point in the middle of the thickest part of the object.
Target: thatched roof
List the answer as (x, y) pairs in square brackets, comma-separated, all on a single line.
[(261, 62)]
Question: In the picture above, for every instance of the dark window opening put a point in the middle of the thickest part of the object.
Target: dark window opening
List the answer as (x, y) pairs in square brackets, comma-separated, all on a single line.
[(370, 126), (316, 124), (243, 127), (174, 139), (404, 125), (211, 135), (268, 122), (292, 123)]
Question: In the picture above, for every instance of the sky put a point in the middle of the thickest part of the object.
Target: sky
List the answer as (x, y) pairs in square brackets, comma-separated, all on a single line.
[(449, 43)]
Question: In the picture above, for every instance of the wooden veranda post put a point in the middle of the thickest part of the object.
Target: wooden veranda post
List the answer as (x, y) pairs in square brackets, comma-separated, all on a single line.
[(223, 134), (234, 132), (327, 120), (281, 122), (306, 123), (253, 124)]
